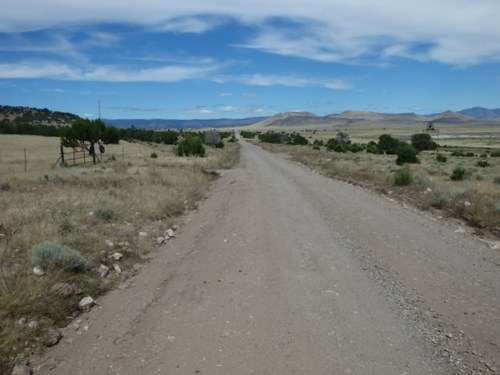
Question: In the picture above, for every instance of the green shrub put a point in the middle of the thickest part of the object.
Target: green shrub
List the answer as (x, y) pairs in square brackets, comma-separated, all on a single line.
[(388, 144), (110, 192), (423, 141), (470, 154), (191, 145), (219, 145), (457, 153), (495, 154), (104, 213), (458, 174), (403, 177), (153, 155), (496, 180), (406, 154), (483, 164), (441, 158), (49, 254)]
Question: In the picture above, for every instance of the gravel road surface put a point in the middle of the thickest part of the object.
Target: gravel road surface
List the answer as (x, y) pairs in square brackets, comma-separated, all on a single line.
[(284, 271)]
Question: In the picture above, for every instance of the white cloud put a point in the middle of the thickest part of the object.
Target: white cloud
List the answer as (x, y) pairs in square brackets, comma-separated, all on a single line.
[(56, 70), (290, 80), (199, 110), (246, 109), (195, 25), (225, 94), (457, 32)]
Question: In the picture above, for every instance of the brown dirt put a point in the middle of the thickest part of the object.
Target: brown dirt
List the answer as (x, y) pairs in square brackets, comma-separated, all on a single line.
[(284, 271)]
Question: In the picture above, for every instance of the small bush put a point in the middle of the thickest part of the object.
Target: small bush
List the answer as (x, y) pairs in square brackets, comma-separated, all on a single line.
[(191, 145), (406, 154), (483, 164), (423, 141), (219, 145), (153, 155), (49, 254), (403, 177), (495, 154), (496, 180), (458, 174), (441, 158), (104, 213)]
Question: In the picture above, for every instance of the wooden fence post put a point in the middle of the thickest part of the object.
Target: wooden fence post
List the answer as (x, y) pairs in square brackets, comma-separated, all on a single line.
[(62, 155)]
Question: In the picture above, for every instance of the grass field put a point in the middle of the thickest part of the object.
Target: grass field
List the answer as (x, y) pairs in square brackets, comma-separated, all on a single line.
[(122, 205)]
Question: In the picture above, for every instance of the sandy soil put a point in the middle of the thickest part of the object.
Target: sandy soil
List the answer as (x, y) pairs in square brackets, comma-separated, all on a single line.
[(284, 271)]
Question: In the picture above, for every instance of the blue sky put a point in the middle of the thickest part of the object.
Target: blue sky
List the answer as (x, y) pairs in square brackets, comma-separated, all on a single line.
[(238, 58)]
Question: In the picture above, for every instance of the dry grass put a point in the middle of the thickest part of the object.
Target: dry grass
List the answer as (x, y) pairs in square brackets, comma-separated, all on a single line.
[(475, 199), (86, 208)]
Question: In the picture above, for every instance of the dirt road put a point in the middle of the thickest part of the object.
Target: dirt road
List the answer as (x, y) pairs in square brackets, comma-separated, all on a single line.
[(283, 271)]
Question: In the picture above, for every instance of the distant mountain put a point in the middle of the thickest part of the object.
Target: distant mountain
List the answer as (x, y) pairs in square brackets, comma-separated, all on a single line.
[(158, 124), (35, 116), (482, 113), (353, 118)]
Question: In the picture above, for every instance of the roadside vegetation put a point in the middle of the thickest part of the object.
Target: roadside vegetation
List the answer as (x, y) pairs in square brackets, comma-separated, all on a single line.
[(72, 232), (462, 182)]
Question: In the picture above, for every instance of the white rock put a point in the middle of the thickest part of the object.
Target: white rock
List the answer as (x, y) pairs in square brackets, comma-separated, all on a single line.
[(169, 233), (117, 256), (467, 203), (160, 240), (86, 303), (21, 322), (33, 324), (21, 370), (109, 243), (117, 268), (103, 270), (142, 234), (460, 230), (38, 271)]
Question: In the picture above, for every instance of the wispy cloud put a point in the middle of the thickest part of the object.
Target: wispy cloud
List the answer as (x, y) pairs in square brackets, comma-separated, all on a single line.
[(225, 94), (457, 32), (290, 80), (55, 70), (246, 109)]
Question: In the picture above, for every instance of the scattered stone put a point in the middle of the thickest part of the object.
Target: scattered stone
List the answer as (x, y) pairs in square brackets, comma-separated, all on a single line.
[(175, 227), (117, 256), (460, 230), (109, 243), (160, 240), (21, 370), (86, 303), (103, 270), (52, 337), (64, 290), (33, 324), (21, 322), (38, 271), (142, 234), (467, 203), (117, 268), (169, 233)]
